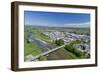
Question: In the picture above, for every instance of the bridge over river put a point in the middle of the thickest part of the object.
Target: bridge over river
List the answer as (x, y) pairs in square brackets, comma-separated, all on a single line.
[(46, 48)]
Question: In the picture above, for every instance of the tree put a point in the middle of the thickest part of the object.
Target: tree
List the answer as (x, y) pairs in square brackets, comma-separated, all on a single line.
[(59, 42)]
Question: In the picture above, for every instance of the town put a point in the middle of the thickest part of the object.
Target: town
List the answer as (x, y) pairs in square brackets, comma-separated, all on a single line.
[(68, 37)]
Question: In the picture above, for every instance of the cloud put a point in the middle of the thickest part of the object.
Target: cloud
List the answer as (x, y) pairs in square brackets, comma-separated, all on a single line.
[(85, 24)]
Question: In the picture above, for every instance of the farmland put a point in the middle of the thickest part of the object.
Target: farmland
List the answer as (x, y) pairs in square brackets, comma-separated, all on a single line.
[(38, 40)]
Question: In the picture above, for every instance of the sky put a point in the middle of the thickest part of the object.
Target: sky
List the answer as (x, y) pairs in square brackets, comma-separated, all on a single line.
[(56, 19)]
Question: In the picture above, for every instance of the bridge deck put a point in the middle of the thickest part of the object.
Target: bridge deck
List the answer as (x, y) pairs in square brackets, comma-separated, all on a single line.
[(45, 53)]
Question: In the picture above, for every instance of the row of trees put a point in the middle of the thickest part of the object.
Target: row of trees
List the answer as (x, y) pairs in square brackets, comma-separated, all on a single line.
[(73, 50)]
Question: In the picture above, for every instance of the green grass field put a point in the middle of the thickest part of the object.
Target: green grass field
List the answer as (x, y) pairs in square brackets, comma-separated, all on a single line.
[(32, 48), (61, 54)]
